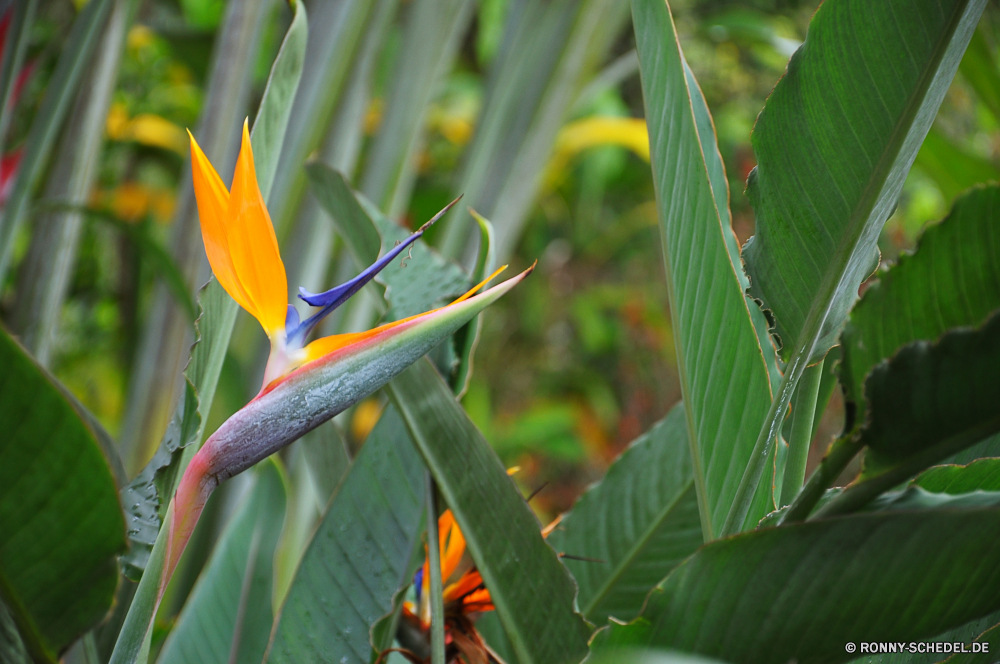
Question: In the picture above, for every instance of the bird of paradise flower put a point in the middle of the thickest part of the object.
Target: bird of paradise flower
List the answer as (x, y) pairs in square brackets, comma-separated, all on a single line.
[(305, 383)]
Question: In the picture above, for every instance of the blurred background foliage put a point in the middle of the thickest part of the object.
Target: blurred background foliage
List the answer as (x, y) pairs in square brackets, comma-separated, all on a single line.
[(571, 366)]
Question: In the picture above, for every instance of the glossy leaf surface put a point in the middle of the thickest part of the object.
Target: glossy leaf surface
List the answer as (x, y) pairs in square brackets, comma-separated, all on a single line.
[(59, 514)]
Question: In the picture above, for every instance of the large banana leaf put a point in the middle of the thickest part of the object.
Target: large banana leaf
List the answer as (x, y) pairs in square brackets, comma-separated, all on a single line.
[(928, 393), (724, 379), (834, 143), (635, 526), (216, 326), (951, 280), (59, 514), (359, 555), (533, 593), (227, 617), (803, 592)]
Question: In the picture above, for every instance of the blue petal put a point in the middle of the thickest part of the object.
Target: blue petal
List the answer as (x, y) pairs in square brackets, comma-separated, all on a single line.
[(336, 296), (418, 583)]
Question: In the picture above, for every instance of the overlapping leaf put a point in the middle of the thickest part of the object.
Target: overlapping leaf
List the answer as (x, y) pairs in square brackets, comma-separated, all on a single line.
[(635, 526), (802, 592), (724, 379), (833, 145), (59, 514), (951, 280), (359, 555), (500, 531)]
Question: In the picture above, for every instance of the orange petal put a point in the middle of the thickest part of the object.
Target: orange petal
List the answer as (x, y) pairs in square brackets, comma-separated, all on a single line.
[(469, 582), (254, 247), (478, 601), (213, 209), (452, 544)]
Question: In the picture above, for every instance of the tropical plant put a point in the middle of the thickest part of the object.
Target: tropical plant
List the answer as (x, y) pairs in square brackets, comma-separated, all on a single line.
[(705, 540)]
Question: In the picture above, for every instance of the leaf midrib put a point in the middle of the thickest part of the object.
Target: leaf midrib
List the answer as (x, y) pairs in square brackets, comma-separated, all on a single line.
[(638, 547)]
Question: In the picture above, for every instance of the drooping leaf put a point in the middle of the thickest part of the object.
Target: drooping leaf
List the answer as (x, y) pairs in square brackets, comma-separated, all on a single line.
[(636, 525), (72, 64), (227, 617), (951, 280), (724, 379), (215, 329), (939, 397), (500, 531), (802, 592), (359, 556), (833, 145), (59, 514)]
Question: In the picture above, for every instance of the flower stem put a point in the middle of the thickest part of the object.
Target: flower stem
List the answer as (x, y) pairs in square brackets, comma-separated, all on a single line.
[(436, 587), (803, 411)]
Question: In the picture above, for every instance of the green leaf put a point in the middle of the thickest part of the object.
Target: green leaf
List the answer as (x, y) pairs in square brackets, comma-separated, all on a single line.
[(215, 328), (636, 525), (228, 614), (987, 656), (59, 514), (467, 338), (802, 592), (643, 656), (73, 62), (951, 167), (833, 145), (500, 531), (359, 555), (951, 280), (354, 225), (982, 475), (430, 41), (724, 379), (12, 59), (927, 403), (934, 394)]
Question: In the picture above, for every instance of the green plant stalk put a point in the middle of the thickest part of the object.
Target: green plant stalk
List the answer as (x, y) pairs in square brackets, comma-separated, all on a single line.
[(436, 585), (73, 62), (803, 412), (46, 271), (840, 454), (12, 57), (857, 496)]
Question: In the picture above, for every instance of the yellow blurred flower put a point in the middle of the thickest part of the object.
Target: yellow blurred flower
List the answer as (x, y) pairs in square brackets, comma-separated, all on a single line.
[(145, 129), (592, 132)]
